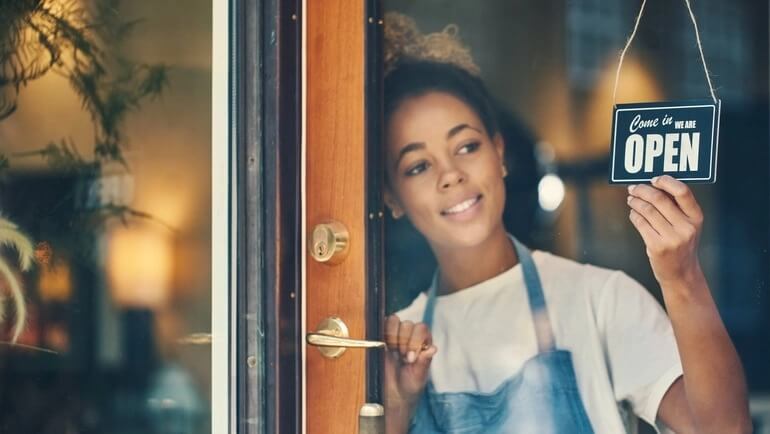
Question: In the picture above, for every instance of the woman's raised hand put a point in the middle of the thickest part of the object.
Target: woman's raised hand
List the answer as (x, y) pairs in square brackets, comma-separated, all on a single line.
[(713, 390), (669, 220), (409, 353)]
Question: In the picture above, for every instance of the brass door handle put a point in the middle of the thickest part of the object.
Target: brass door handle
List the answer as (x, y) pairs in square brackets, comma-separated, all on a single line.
[(332, 338), (323, 340)]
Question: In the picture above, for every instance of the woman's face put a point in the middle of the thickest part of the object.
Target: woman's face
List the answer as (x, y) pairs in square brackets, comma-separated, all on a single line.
[(444, 171)]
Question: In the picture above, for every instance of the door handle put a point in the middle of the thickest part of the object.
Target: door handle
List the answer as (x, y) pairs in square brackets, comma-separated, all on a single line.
[(332, 338)]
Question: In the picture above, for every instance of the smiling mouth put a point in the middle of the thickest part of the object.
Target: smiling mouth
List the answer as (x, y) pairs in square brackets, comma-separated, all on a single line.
[(462, 206)]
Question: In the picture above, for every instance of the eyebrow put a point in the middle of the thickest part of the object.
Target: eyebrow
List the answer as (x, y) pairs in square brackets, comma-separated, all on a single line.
[(420, 145), (456, 130)]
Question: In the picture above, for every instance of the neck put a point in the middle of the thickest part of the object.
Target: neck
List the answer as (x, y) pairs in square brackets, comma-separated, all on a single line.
[(460, 268)]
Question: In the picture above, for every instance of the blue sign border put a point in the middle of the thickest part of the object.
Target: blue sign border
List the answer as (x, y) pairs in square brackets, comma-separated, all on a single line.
[(716, 117)]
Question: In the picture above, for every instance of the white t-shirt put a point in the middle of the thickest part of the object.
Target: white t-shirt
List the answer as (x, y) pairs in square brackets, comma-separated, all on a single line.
[(621, 340)]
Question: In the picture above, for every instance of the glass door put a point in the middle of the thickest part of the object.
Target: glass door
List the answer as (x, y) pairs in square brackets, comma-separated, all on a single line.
[(115, 217), (536, 83)]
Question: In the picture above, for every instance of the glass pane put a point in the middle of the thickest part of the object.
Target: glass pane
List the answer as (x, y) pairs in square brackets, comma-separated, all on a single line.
[(105, 217), (540, 128)]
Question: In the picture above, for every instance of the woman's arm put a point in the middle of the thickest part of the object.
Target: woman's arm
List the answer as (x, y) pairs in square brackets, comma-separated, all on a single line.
[(711, 395), (407, 362)]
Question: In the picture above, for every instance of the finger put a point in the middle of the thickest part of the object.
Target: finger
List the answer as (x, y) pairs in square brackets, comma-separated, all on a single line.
[(426, 356), (662, 201), (681, 194), (391, 331), (420, 339), (649, 235), (652, 216), (404, 334), (421, 367)]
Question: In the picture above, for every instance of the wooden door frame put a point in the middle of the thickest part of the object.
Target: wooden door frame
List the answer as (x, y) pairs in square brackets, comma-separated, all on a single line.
[(266, 101), (343, 140)]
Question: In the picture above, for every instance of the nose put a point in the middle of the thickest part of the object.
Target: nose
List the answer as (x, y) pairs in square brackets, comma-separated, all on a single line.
[(450, 177)]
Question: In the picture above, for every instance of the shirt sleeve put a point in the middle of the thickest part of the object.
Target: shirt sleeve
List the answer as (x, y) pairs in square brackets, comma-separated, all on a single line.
[(414, 312), (639, 345)]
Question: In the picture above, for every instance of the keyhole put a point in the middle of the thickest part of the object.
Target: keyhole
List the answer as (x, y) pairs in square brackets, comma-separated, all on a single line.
[(321, 249)]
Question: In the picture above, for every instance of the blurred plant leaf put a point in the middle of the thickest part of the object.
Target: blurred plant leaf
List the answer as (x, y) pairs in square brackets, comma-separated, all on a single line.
[(62, 156), (154, 81), (79, 40), (101, 214), (35, 35)]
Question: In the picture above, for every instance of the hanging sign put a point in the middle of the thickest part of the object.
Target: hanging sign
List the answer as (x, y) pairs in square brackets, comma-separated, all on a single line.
[(679, 139)]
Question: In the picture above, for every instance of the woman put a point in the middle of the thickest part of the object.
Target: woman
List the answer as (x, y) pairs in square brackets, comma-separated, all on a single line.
[(506, 340)]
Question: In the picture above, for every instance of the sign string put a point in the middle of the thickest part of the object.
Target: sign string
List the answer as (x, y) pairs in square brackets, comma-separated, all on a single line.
[(633, 34)]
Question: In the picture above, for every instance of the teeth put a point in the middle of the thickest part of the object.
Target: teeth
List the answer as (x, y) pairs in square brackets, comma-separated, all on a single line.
[(460, 207)]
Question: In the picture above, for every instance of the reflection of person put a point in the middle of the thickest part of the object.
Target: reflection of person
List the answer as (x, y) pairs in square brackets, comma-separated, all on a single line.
[(507, 340)]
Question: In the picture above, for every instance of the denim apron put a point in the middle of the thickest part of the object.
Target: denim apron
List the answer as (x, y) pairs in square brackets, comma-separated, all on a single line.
[(542, 398)]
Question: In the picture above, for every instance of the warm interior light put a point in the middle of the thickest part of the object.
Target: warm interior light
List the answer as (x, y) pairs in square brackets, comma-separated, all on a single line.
[(550, 192), (55, 282), (637, 83), (139, 266)]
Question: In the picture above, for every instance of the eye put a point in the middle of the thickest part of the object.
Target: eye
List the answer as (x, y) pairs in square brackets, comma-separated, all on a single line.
[(417, 169), (469, 148)]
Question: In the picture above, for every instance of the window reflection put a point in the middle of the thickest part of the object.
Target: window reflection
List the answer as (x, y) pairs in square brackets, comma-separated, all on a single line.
[(105, 160)]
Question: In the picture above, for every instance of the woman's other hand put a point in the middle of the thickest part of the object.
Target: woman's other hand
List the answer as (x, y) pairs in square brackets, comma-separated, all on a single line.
[(712, 396), (669, 220), (409, 353)]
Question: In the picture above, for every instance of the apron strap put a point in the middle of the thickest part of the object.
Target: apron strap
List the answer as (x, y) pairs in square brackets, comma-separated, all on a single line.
[(430, 307), (537, 305)]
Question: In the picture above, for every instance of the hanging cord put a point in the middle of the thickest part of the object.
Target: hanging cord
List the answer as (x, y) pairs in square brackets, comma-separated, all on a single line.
[(623, 53), (631, 38), (700, 48)]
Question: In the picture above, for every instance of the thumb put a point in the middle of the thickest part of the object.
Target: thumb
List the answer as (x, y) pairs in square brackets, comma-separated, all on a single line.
[(421, 366)]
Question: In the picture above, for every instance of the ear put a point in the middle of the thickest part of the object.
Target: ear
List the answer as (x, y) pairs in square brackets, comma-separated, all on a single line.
[(499, 143), (391, 202)]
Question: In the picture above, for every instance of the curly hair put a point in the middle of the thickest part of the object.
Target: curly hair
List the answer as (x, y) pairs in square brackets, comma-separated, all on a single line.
[(413, 78), (405, 42)]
